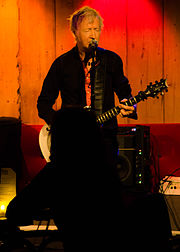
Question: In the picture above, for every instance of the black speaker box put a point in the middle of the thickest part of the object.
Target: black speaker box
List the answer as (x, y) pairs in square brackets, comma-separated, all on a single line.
[(149, 223), (134, 156), (173, 204), (10, 143)]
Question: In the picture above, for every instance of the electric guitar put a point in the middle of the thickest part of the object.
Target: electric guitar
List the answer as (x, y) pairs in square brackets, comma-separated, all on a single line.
[(152, 90)]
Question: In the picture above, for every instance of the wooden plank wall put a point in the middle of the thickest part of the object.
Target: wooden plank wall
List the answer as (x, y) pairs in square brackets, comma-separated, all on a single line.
[(9, 86), (145, 33)]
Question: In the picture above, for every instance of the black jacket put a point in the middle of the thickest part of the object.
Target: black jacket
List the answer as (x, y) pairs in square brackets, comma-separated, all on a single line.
[(66, 76)]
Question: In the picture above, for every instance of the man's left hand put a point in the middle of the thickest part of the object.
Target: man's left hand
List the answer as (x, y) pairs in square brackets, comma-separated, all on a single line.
[(126, 110)]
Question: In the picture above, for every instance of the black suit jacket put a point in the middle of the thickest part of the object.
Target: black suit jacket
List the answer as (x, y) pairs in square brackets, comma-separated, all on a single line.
[(66, 76)]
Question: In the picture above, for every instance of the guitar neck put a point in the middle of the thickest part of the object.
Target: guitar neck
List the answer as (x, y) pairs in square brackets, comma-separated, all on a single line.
[(106, 116), (152, 90), (134, 100)]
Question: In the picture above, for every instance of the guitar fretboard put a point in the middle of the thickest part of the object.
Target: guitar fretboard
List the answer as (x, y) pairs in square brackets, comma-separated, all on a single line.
[(106, 116)]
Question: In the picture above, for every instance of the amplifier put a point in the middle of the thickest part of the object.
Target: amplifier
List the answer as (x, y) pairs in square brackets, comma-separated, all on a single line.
[(134, 156), (170, 187), (7, 188)]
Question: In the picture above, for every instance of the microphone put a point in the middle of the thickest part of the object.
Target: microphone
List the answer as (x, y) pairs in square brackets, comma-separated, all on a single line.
[(93, 44)]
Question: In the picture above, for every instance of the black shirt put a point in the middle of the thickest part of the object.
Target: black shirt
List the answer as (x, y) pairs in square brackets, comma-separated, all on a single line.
[(66, 76)]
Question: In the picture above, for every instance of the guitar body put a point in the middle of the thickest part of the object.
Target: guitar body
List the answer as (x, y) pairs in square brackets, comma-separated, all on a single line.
[(152, 90), (45, 142)]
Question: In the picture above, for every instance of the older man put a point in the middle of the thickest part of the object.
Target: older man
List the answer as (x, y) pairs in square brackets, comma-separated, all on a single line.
[(88, 76), (70, 73)]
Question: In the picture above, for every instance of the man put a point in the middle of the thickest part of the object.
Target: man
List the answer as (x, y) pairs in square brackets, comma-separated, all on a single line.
[(67, 74), (82, 83)]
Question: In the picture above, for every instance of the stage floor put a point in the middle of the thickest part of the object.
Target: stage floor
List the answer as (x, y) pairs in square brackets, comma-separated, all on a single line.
[(37, 235)]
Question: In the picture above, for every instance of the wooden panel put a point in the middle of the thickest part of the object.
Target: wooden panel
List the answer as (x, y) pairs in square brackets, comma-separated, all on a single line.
[(34, 32), (145, 54), (8, 65), (172, 59), (36, 54), (64, 38)]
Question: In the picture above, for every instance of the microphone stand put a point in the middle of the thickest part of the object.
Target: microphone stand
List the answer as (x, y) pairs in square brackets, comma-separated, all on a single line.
[(92, 78)]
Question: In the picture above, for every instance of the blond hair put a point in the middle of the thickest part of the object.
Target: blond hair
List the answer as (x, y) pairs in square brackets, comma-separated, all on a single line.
[(77, 17)]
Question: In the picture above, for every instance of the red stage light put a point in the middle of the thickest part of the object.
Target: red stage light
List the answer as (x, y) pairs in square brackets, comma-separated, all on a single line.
[(144, 12)]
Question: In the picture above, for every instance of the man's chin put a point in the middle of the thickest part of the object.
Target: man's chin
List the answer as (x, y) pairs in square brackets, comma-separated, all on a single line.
[(87, 49)]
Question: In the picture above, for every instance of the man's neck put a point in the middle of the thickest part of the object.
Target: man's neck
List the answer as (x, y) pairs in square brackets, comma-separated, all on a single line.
[(82, 55), (85, 56), (81, 52)]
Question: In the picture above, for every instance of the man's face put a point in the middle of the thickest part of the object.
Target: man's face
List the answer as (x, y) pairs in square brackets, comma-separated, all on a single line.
[(88, 29)]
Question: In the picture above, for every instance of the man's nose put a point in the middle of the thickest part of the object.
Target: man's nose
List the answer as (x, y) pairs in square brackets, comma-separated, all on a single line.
[(92, 34)]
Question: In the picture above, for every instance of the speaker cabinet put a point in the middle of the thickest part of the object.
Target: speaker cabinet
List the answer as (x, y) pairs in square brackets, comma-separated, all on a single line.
[(173, 204), (10, 159), (10, 144), (134, 156)]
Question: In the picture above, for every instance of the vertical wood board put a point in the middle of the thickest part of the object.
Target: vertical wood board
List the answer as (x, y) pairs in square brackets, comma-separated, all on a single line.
[(9, 103)]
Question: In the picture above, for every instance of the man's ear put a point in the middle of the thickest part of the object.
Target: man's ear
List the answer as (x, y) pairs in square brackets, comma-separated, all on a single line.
[(75, 35)]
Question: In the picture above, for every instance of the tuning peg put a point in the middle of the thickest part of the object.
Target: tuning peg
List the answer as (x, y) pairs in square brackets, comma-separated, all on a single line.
[(162, 93)]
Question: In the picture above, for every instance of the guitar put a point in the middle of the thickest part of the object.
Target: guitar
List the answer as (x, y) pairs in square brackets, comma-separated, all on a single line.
[(152, 90)]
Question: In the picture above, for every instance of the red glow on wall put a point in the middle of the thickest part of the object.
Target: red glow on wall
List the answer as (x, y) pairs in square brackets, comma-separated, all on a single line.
[(144, 12), (109, 12)]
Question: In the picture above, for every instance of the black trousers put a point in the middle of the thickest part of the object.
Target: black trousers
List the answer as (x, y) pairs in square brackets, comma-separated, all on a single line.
[(111, 148)]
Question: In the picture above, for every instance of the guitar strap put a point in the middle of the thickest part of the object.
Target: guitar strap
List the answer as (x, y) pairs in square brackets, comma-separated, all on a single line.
[(100, 84)]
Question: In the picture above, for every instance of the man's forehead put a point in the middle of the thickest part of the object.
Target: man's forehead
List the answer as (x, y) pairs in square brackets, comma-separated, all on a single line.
[(90, 20)]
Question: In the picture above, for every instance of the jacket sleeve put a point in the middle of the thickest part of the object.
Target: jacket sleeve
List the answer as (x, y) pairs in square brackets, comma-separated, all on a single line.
[(49, 93), (121, 84)]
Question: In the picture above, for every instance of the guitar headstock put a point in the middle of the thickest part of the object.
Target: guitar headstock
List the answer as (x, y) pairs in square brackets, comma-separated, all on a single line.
[(153, 90)]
